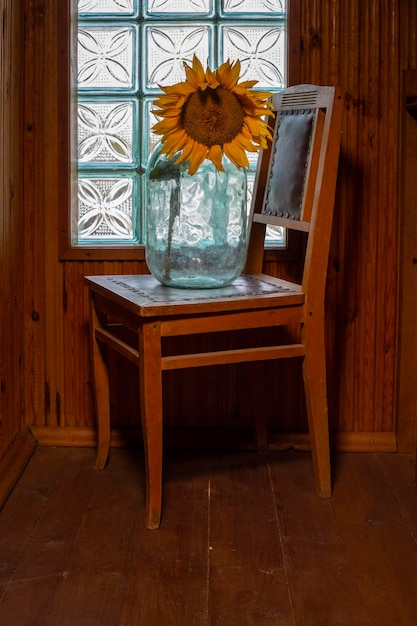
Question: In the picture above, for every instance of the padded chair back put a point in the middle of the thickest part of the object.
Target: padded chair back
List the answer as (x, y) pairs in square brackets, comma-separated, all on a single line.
[(296, 176)]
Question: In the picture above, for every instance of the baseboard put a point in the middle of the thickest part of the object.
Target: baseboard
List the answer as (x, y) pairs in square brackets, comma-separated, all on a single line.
[(14, 462), (216, 438), (364, 441)]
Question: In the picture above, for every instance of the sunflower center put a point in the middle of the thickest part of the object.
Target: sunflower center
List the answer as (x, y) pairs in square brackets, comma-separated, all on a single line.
[(212, 117)]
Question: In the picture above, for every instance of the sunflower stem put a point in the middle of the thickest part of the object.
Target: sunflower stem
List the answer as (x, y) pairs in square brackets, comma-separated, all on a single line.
[(174, 211)]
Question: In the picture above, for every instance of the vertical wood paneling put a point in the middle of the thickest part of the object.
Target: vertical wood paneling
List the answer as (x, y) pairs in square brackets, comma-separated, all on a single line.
[(388, 222), (11, 222), (34, 326), (363, 58), (407, 336), (407, 339), (351, 43), (408, 35), (367, 253), (342, 280)]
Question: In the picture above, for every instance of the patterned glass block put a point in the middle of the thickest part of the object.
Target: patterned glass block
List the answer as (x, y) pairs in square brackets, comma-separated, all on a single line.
[(179, 7), (105, 57), (275, 235), (150, 139), (105, 132), (106, 208), (118, 79), (168, 46), (254, 6), (261, 51), (125, 7)]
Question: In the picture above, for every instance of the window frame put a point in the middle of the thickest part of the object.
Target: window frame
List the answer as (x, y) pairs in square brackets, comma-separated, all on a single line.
[(67, 169)]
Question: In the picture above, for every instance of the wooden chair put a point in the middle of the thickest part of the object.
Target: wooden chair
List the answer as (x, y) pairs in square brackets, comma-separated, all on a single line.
[(294, 188)]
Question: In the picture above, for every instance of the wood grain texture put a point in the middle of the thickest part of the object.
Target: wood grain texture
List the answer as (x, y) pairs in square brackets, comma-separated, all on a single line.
[(14, 462), (212, 437), (310, 535), (11, 222), (361, 46), (340, 40), (362, 309), (373, 521), (243, 540), (243, 588), (407, 336)]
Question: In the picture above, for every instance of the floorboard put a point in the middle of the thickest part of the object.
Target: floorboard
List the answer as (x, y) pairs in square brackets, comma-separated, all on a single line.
[(246, 568), (244, 540), (322, 583), (396, 470), (167, 575), (382, 551), (20, 516)]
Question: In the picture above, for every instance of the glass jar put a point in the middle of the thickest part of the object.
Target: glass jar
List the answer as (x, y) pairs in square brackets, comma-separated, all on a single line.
[(196, 225)]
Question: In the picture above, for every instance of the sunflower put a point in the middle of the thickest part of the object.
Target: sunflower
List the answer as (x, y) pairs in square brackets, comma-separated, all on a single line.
[(211, 114)]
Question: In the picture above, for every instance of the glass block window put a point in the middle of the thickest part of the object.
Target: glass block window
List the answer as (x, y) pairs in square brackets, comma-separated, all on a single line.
[(126, 49)]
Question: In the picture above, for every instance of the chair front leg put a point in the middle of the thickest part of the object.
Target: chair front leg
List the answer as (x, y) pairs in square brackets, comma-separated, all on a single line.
[(150, 385)]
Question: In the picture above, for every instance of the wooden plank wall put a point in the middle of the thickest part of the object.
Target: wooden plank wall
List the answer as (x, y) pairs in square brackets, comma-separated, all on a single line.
[(11, 222), (406, 408), (355, 44), (352, 43)]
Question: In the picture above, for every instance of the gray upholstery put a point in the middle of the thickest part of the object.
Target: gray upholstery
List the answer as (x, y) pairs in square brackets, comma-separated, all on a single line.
[(289, 163)]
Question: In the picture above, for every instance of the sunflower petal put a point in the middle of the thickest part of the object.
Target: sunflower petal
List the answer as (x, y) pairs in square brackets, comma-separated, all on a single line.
[(197, 157), (215, 154), (247, 84), (169, 112), (257, 127), (175, 142), (211, 79), (228, 74), (186, 153), (166, 125), (184, 89), (235, 153), (195, 75)]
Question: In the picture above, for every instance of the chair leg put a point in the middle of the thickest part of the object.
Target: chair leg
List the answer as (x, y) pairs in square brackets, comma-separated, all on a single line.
[(315, 384), (150, 384), (101, 393)]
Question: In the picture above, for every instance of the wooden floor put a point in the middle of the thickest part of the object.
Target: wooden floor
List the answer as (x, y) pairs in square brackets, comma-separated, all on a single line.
[(244, 541)]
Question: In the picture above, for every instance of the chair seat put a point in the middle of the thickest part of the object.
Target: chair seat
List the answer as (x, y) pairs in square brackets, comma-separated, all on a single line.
[(146, 297)]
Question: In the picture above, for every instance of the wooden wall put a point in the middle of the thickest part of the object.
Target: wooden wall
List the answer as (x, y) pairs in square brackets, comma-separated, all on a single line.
[(406, 405), (356, 44), (352, 43), (11, 222)]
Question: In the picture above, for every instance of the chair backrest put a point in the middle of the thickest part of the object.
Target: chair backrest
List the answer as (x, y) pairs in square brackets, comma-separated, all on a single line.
[(296, 176)]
